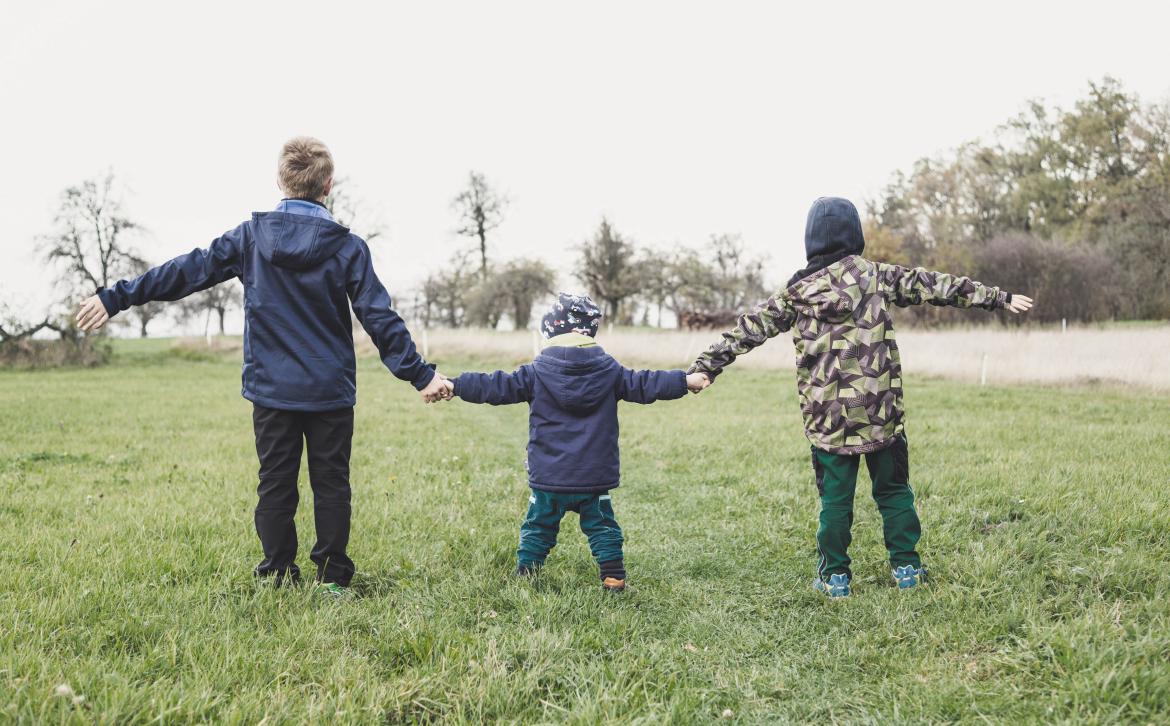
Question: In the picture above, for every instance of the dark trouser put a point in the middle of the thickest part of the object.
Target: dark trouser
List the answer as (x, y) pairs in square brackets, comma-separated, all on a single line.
[(889, 470), (538, 533), (280, 436)]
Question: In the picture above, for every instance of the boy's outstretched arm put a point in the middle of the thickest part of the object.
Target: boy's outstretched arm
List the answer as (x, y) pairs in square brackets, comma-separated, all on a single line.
[(497, 388), (914, 286), (172, 280), (372, 306), (766, 320), (651, 386)]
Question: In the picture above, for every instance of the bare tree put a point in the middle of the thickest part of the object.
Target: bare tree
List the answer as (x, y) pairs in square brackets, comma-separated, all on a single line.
[(89, 245), (348, 210), (444, 293), (480, 209), (149, 311), (521, 283), (658, 274), (608, 269), (217, 300), (739, 277), (13, 329)]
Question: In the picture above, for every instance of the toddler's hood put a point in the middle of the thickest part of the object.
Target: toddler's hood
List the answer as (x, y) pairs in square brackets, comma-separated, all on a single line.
[(579, 379)]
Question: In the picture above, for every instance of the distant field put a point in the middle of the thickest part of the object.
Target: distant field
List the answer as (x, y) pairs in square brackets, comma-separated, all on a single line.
[(1133, 354), (126, 497)]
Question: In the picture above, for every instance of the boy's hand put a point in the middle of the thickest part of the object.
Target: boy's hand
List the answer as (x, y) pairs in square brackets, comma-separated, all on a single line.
[(697, 382), (439, 389), (1019, 304), (92, 314)]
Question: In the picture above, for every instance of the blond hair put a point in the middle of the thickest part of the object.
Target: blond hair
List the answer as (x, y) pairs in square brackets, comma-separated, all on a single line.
[(305, 167)]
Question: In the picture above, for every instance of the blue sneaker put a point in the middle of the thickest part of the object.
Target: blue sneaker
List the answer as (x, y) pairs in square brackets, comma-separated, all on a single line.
[(908, 576), (837, 586)]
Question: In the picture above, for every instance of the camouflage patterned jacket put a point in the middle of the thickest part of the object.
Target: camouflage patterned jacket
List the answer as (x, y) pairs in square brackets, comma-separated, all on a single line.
[(848, 373)]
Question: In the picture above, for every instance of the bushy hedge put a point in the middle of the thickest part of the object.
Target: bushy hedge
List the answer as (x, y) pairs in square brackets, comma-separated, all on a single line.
[(27, 354)]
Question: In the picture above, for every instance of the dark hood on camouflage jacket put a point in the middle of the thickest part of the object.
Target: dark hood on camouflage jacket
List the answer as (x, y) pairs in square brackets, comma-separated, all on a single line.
[(848, 372), (832, 232)]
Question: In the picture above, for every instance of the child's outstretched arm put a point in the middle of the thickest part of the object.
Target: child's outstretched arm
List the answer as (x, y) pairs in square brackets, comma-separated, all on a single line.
[(497, 388), (905, 286), (766, 320), (651, 386), (172, 280)]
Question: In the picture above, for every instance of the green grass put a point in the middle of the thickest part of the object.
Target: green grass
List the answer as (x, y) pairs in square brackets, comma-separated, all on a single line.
[(125, 516)]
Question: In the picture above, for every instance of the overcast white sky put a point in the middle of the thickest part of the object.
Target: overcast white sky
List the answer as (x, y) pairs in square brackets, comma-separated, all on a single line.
[(675, 119)]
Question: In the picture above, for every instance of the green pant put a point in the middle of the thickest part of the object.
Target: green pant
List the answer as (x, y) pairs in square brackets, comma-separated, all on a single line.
[(538, 533), (889, 471)]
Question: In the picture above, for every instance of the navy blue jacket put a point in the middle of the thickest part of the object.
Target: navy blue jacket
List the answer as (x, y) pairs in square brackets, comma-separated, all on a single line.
[(300, 275), (572, 394)]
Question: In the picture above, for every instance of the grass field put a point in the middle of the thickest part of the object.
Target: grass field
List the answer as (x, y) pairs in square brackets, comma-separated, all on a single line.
[(125, 516)]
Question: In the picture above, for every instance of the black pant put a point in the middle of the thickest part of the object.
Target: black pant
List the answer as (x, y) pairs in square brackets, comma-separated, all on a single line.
[(280, 436)]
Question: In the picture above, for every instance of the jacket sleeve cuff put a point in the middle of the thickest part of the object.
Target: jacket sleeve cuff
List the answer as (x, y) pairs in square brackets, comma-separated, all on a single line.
[(679, 383), (424, 379), (108, 301), (711, 374)]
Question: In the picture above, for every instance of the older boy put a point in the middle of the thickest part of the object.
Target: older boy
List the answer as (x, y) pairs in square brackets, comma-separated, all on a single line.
[(572, 390), (301, 273), (850, 379)]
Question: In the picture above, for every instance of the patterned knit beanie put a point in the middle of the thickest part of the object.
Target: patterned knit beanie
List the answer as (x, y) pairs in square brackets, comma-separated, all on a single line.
[(571, 314)]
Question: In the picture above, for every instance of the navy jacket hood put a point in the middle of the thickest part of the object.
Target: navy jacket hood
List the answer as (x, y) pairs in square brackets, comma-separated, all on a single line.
[(297, 241), (578, 379)]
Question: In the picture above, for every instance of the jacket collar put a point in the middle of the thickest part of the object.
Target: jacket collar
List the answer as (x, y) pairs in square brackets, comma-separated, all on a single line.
[(570, 340), (306, 207)]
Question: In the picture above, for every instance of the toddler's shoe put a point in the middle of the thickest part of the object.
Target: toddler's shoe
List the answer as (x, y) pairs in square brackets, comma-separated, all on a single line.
[(526, 571), (836, 587), (908, 576), (612, 584)]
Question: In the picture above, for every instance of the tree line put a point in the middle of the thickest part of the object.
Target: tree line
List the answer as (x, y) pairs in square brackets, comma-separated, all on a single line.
[(633, 284), (93, 244), (1070, 204)]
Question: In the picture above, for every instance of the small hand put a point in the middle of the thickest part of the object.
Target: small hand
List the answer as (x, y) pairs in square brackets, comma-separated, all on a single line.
[(697, 382), (92, 314), (439, 389), (1019, 304)]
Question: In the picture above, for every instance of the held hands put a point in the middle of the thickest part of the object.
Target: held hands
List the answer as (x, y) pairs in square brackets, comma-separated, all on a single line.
[(697, 382), (1019, 304), (92, 314), (439, 389)]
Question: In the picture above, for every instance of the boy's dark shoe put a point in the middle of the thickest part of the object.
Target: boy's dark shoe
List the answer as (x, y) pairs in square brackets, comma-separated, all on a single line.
[(612, 584), (278, 579), (836, 587), (908, 576), (527, 570)]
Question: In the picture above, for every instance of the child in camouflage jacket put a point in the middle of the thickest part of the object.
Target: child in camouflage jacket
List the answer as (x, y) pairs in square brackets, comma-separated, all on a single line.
[(849, 378)]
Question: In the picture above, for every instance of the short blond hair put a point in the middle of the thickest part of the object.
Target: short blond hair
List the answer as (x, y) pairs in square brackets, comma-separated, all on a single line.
[(305, 167)]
